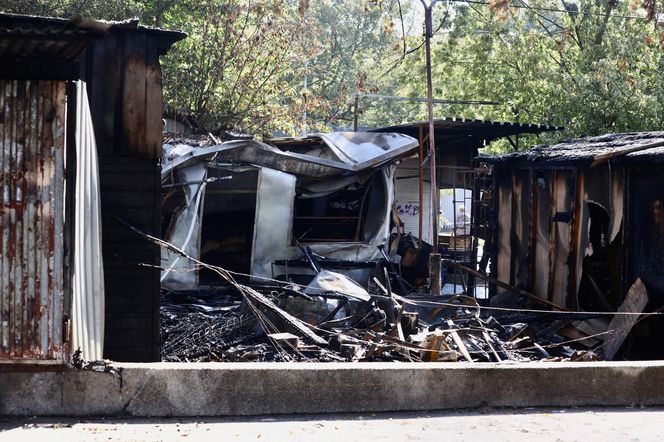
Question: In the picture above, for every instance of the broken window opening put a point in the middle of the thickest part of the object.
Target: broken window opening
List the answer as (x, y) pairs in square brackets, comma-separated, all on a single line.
[(600, 281), (353, 214)]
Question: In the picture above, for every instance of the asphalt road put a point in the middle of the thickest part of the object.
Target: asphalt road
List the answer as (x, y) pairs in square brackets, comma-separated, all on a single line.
[(543, 424)]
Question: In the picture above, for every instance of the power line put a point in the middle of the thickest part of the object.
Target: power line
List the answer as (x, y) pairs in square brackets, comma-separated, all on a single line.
[(424, 100)]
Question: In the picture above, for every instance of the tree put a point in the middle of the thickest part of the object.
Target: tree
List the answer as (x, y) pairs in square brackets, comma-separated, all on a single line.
[(591, 66), (345, 46), (229, 73), (262, 66), (101, 9)]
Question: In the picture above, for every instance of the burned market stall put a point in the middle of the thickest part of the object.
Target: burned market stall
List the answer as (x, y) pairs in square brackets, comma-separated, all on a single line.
[(580, 224), (254, 208), (282, 251), (80, 138), (463, 190), (123, 77)]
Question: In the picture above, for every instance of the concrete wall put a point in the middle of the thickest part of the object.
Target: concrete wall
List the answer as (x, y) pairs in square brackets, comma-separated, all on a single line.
[(214, 389)]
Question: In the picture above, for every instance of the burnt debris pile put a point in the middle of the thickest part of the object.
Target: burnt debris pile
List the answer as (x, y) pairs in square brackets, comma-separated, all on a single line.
[(333, 319)]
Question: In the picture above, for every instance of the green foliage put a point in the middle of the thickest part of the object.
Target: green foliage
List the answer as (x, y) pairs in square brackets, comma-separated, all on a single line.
[(344, 45), (230, 72), (262, 66), (581, 69), (101, 9)]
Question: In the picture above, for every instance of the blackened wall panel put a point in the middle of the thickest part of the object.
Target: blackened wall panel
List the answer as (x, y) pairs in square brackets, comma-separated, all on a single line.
[(124, 84)]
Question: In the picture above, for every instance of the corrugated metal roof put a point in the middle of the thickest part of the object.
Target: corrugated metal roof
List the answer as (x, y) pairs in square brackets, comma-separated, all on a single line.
[(28, 36), (583, 151), (62, 39), (469, 133)]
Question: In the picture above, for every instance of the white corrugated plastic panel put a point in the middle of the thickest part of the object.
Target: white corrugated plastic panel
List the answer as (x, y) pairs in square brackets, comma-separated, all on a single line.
[(88, 276), (408, 199)]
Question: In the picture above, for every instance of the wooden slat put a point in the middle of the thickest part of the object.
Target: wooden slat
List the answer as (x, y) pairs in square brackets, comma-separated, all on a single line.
[(543, 232), (153, 104), (133, 97)]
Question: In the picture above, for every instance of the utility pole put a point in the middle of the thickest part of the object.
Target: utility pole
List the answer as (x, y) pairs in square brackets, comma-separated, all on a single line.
[(303, 131), (356, 106), (434, 258)]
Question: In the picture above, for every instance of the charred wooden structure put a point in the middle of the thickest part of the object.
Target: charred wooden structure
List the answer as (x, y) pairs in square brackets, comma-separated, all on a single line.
[(578, 222), (461, 185), (70, 90), (123, 75)]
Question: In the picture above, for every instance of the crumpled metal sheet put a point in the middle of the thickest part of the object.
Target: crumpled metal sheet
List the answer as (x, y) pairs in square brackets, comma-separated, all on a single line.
[(327, 281), (187, 230), (350, 152), (365, 149)]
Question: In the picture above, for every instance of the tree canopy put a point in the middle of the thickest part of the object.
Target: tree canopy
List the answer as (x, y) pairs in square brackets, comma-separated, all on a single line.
[(291, 66)]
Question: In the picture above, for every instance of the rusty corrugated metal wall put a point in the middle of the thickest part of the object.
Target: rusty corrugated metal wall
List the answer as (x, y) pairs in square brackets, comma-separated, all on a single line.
[(32, 138)]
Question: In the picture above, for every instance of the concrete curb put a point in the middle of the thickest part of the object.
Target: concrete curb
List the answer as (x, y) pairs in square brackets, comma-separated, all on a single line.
[(231, 389)]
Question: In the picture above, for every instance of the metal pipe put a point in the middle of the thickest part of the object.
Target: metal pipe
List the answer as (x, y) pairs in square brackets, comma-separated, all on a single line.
[(426, 100), (421, 182), (428, 33), (355, 110), (434, 258)]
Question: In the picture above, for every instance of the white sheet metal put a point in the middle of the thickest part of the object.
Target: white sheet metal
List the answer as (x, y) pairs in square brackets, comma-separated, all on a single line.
[(366, 149), (327, 281), (88, 274), (350, 152), (274, 219), (186, 234)]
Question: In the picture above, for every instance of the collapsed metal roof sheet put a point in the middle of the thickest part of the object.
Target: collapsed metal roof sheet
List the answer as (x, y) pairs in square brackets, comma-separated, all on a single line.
[(318, 155)]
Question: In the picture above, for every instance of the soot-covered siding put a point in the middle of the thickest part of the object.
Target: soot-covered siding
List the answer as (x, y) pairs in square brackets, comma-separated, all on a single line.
[(124, 83)]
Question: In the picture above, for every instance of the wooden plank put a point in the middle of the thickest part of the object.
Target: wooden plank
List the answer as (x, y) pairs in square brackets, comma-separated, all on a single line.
[(579, 237), (154, 105), (120, 182), (124, 353), (504, 215), (128, 199), (562, 240), (459, 342), (534, 221), (135, 217), (635, 302), (139, 342), (129, 321), (543, 233), (129, 161), (133, 95)]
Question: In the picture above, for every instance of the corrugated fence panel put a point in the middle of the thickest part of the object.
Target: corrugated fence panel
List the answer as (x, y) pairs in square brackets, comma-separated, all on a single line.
[(32, 136), (407, 197)]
